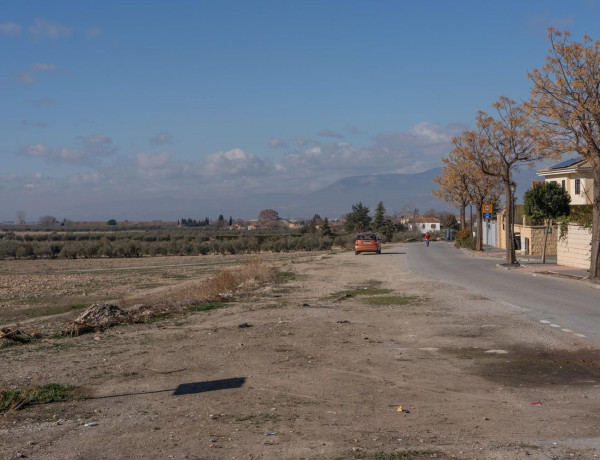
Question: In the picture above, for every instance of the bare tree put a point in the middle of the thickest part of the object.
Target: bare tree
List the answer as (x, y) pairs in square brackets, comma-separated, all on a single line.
[(565, 102), (498, 147), (268, 218), (21, 217), (48, 220)]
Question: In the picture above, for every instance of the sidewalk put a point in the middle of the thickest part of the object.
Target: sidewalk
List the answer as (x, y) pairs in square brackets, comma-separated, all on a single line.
[(533, 264)]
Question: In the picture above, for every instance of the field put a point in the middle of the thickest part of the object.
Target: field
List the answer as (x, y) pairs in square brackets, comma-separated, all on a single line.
[(313, 355)]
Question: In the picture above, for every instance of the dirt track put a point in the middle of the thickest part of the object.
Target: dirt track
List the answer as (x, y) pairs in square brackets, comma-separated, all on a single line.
[(313, 375)]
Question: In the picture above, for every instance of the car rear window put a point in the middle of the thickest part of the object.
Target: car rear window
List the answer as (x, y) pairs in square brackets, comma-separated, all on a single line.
[(366, 237)]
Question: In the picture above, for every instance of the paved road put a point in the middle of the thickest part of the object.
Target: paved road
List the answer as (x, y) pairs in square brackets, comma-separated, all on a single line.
[(569, 306)]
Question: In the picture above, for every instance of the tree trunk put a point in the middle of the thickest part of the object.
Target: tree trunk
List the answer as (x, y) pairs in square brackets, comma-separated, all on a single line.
[(463, 217), (471, 218), (548, 223), (595, 251), (511, 258), (479, 242)]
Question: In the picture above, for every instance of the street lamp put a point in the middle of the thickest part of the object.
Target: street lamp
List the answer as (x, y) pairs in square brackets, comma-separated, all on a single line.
[(513, 191)]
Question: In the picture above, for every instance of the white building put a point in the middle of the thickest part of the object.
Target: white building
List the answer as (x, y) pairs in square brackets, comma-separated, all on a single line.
[(575, 176)]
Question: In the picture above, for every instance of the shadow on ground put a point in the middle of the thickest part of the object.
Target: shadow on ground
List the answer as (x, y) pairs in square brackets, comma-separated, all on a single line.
[(188, 388), (526, 366)]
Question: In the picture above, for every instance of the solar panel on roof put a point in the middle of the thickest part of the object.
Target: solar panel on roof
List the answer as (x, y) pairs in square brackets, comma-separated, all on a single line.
[(567, 163)]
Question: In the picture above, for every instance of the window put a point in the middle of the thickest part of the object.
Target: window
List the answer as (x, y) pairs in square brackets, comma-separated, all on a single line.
[(432, 226), (564, 185), (577, 186)]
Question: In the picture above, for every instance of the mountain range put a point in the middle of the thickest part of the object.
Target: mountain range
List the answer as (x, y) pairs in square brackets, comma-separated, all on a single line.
[(396, 191)]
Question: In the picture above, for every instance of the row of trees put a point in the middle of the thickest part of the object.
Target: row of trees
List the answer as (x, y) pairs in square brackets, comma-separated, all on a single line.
[(562, 116), (359, 220), (18, 249)]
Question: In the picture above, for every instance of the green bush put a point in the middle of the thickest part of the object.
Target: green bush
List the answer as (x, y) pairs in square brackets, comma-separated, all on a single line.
[(464, 239)]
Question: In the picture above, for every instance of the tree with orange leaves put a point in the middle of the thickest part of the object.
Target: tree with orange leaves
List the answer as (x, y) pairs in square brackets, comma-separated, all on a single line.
[(452, 190), (480, 187), (464, 180), (498, 147), (565, 102)]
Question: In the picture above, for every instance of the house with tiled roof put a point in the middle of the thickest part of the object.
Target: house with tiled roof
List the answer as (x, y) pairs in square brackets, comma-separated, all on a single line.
[(575, 176)]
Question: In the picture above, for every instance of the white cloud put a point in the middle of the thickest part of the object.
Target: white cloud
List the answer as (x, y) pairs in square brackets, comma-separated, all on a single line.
[(27, 77), (161, 139), (91, 178), (234, 172), (42, 29), (429, 133), (45, 152), (153, 160), (415, 150), (275, 143), (10, 29), (43, 67), (97, 145), (235, 162)]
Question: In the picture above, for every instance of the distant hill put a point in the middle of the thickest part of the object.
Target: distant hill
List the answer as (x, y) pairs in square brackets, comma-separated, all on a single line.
[(335, 200), (395, 190)]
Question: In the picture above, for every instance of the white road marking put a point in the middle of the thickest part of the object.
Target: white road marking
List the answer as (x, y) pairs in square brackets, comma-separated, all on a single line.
[(568, 331)]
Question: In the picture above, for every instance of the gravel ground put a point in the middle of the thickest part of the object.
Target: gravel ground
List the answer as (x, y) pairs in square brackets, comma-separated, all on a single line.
[(311, 368)]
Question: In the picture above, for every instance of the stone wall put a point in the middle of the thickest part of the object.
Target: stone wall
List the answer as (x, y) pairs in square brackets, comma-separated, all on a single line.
[(535, 238), (575, 249), (534, 235)]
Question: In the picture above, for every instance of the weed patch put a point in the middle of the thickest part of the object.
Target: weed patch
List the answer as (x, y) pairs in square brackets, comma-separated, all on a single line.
[(207, 306), (284, 277), (12, 400), (362, 291)]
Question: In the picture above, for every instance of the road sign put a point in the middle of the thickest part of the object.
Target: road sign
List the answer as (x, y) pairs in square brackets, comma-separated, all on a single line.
[(487, 215), (486, 208)]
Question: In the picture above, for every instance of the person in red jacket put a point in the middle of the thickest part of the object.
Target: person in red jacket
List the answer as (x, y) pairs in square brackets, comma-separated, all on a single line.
[(427, 238)]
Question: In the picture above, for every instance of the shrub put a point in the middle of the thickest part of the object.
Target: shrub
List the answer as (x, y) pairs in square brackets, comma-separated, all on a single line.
[(407, 236), (464, 239)]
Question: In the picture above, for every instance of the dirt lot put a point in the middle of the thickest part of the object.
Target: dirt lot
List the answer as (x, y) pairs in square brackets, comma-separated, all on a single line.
[(313, 367)]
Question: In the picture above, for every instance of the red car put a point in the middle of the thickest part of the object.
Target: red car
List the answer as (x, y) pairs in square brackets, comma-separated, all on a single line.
[(367, 242)]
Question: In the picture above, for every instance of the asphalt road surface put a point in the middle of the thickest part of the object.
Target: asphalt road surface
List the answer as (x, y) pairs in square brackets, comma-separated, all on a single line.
[(567, 305)]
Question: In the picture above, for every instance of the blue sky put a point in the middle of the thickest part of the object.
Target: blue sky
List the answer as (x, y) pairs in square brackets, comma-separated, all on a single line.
[(127, 102)]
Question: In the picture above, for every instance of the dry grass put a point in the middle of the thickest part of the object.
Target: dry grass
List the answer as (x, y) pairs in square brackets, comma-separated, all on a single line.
[(201, 295), (224, 284)]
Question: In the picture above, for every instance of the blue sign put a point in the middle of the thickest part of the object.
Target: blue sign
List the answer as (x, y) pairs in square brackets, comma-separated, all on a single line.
[(487, 215)]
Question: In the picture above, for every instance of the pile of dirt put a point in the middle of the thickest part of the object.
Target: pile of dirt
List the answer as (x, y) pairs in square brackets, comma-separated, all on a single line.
[(97, 317), (102, 315)]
